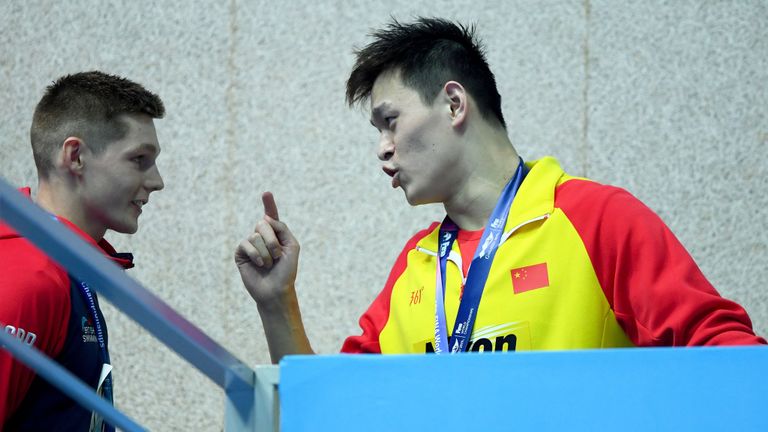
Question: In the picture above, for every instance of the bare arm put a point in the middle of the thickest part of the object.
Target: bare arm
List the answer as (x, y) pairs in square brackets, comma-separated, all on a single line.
[(268, 261)]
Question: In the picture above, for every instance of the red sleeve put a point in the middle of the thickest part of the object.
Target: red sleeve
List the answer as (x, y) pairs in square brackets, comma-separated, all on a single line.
[(658, 293), (35, 307), (377, 315)]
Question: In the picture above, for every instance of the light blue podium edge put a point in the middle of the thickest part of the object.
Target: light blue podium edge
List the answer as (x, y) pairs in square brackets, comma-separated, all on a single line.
[(660, 389)]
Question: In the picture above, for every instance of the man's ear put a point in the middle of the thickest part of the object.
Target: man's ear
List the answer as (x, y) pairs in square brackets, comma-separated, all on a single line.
[(71, 157), (458, 102)]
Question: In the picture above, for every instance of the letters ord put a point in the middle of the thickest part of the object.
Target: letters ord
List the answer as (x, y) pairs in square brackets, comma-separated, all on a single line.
[(21, 334)]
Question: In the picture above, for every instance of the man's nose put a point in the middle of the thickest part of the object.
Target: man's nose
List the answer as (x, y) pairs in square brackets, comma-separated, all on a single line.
[(386, 147), (155, 180)]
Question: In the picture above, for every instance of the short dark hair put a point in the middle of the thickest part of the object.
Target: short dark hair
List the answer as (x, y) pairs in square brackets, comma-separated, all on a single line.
[(428, 53), (86, 105)]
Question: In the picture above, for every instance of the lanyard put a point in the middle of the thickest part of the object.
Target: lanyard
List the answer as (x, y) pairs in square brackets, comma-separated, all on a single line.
[(106, 386), (91, 302), (478, 269)]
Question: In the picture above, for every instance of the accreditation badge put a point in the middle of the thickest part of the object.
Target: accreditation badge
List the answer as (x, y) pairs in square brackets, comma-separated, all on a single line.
[(97, 421)]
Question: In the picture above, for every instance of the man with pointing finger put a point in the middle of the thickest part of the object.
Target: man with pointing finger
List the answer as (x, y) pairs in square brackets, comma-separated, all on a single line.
[(267, 261), (527, 256)]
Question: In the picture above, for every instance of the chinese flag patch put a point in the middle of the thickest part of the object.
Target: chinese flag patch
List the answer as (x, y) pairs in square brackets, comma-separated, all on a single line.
[(529, 278)]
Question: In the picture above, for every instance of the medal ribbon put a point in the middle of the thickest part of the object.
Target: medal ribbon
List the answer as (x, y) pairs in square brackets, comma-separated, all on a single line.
[(477, 274)]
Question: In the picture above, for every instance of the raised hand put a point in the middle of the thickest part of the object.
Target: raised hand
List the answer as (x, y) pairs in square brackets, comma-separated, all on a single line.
[(268, 258)]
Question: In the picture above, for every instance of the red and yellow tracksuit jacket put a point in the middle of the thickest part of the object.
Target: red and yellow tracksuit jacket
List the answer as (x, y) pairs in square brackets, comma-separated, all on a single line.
[(581, 265)]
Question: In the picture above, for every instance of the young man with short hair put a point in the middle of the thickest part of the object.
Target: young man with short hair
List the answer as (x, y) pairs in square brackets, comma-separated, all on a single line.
[(527, 257), (95, 147)]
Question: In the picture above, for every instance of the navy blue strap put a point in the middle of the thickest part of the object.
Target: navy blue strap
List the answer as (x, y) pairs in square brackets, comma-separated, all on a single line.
[(90, 300), (478, 270)]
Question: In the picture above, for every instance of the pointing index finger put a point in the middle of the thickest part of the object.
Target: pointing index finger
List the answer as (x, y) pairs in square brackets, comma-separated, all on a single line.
[(270, 208)]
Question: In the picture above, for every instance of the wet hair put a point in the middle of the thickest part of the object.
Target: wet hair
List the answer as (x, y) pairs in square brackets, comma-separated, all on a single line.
[(427, 53), (86, 105)]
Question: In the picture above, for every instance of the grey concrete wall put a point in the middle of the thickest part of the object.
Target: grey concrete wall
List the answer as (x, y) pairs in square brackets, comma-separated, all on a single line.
[(667, 99)]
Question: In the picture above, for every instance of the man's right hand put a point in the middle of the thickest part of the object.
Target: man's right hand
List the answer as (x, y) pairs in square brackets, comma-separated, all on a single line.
[(268, 258)]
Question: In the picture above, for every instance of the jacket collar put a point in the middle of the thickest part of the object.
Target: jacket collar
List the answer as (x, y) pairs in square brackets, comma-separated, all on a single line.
[(124, 260), (535, 198)]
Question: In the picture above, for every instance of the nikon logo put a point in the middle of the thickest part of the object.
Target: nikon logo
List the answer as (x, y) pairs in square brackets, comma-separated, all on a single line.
[(499, 343)]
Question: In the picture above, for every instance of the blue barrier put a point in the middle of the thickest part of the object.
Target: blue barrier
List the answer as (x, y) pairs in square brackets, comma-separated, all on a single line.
[(89, 265), (642, 389)]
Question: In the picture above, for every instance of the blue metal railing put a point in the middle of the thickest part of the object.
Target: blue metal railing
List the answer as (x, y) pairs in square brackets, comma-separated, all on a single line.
[(68, 383), (89, 265)]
